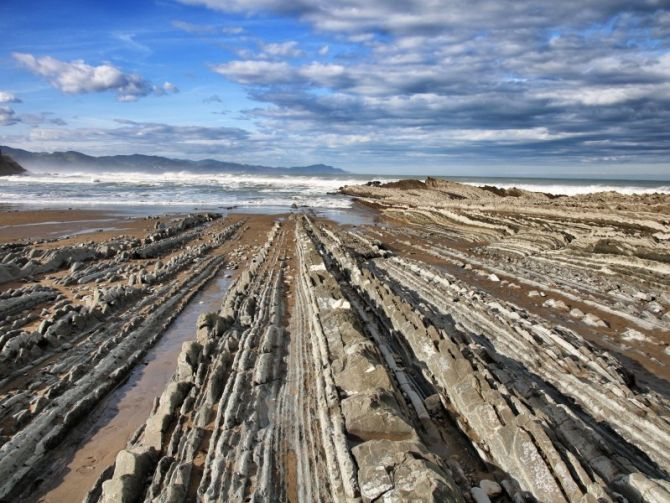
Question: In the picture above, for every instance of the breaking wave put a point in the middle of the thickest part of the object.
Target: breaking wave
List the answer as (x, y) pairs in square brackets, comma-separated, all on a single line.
[(183, 189), (176, 189)]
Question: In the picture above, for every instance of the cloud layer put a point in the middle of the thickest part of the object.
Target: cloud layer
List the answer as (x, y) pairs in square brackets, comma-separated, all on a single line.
[(7, 97), (7, 115), (416, 85), (134, 137), (584, 81), (78, 77)]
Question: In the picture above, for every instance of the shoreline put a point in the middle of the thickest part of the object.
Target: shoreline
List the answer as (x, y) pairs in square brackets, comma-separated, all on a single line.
[(432, 303), (14, 217)]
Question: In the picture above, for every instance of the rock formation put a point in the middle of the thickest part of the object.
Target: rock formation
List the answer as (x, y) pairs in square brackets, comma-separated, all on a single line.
[(76, 343), (9, 166), (476, 345)]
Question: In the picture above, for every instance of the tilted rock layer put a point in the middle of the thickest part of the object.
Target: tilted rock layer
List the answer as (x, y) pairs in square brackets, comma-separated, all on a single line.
[(474, 345)]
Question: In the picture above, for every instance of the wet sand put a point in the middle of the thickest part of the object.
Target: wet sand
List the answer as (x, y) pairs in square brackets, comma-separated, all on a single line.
[(20, 224), (51, 224)]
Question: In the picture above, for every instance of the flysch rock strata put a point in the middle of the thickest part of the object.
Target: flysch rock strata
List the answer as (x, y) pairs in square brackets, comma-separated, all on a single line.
[(513, 383), (605, 257), (82, 319), (285, 395), (476, 345)]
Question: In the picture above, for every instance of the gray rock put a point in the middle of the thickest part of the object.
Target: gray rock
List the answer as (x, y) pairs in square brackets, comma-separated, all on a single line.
[(491, 488), (369, 417), (593, 321), (401, 471), (479, 495), (130, 470)]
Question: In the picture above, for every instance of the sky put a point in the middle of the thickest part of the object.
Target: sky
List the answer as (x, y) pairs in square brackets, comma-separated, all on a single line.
[(478, 87)]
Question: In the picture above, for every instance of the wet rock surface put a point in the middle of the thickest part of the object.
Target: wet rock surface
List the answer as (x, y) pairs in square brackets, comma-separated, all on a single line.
[(82, 318), (453, 353)]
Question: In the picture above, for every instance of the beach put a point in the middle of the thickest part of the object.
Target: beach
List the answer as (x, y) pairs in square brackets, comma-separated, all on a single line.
[(420, 339)]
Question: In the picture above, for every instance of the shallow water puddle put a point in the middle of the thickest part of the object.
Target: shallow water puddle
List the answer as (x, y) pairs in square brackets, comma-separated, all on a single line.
[(92, 446)]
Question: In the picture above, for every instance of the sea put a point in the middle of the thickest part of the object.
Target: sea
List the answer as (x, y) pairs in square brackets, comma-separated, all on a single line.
[(187, 191)]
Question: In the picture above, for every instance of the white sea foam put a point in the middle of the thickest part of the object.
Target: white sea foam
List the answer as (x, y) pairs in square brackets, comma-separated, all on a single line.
[(208, 190), (116, 200), (175, 189), (185, 178)]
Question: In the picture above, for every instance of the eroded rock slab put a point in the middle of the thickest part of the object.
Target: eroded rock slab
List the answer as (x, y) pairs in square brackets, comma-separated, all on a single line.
[(481, 351)]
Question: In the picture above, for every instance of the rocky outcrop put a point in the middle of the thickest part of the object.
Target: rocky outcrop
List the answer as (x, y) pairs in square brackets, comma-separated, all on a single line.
[(337, 370), (253, 413), (28, 261), (474, 353), (604, 254), (552, 411), (9, 166), (88, 337)]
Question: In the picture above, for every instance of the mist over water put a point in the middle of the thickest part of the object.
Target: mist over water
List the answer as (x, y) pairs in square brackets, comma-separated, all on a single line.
[(214, 191)]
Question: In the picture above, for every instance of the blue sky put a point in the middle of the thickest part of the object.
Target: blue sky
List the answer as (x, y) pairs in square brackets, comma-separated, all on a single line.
[(478, 87)]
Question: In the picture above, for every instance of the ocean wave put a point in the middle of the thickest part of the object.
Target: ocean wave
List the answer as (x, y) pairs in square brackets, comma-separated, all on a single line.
[(335, 202), (176, 189), (206, 190), (187, 178)]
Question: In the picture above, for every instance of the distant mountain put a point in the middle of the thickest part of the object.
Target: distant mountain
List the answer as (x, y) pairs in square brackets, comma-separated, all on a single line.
[(9, 166), (76, 161)]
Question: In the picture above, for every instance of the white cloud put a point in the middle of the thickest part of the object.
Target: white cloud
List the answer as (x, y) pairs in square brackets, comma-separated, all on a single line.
[(132, 137), (78, 77), (507, 135), (206, 29), (232, 30), (414, 16), (324, 75), (248, 72), (606, 95), (285, 49), (169, 87), (6, 97), (261, 72), (193, 28), (8, 117), (129, 41)]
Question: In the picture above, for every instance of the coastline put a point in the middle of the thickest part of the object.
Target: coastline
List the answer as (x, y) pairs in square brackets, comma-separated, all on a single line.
[(52, 222), (436, 302)]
